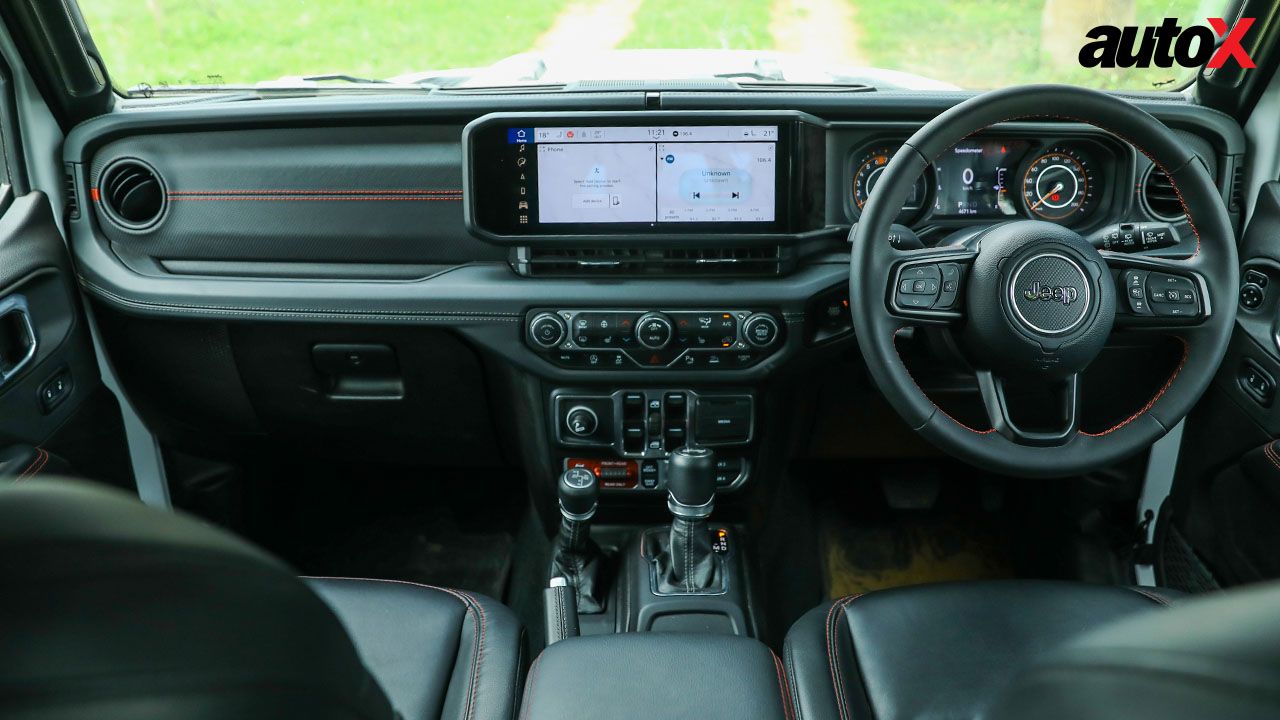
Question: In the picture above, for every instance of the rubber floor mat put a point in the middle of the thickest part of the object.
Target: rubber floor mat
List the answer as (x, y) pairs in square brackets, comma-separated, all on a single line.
[(427, 549), (861, 558)]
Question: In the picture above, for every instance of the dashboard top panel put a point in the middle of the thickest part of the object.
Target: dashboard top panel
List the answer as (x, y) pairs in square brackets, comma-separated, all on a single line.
[(328, 143)]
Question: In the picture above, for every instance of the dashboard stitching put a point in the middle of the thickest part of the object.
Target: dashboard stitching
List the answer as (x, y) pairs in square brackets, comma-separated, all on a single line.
[(315, 192), (313, 198), (389, 314), (1186, 351), (1157, 163)]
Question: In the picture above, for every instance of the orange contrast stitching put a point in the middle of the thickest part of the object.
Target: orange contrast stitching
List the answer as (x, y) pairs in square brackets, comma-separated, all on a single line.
[(783, 690), (833, 658), (37, 464), (945, 414), (1186, 351)]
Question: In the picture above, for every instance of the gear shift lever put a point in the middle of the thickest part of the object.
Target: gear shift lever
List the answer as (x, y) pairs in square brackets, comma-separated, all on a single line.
[(577, 558), (689, 565), (691, 483)]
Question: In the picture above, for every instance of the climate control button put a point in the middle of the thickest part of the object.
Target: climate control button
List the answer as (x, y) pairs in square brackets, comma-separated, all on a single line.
[(654, 331), (547, 330)]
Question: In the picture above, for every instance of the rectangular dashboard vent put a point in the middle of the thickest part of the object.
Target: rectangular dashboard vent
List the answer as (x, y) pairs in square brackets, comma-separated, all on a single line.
[(1237, 187), (69, 188), (634, 261)]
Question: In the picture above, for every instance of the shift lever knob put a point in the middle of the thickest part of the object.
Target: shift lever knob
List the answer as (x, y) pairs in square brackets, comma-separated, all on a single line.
[(578, 491), (691, 482)]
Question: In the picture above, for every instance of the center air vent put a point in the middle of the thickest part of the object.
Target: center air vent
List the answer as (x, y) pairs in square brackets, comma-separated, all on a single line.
[(132, 194), (1160, 197), (634, 261)]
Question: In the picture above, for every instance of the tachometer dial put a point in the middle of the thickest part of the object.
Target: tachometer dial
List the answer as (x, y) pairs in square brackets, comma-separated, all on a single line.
[(867, 169), (1059, 186)]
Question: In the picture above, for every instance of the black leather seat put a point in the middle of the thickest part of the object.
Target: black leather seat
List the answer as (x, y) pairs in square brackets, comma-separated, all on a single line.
[(114, 610), (1212, 656), (939, 651)]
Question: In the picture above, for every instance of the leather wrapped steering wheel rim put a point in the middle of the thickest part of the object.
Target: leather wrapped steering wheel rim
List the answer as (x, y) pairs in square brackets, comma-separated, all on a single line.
[(1213, 264)]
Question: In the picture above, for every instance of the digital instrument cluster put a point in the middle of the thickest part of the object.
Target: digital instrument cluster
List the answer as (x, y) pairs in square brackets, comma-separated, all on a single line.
[(995, 178)]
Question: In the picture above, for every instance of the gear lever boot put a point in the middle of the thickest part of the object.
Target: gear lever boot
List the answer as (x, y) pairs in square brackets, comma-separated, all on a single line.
[(577, 558), (687, 563)]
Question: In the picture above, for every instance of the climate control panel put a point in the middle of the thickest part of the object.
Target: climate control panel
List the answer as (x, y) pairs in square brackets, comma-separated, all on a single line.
[(593, 339)]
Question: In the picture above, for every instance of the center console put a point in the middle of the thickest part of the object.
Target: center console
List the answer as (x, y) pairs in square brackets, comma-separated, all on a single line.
[(639, 676)]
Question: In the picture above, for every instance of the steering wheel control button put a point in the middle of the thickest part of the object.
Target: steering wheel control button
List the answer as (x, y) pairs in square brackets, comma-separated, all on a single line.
[(1172, 296), (1050, 293), (950, 288), (1135, 282), (581, 421), (654, 331), (761, 330), (918, 286), (547, 330)]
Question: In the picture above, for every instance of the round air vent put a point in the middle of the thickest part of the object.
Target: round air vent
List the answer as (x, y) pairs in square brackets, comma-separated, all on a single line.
[(132, 194), (1159, 196)]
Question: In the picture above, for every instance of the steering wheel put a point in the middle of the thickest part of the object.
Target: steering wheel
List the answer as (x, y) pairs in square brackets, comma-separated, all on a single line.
[(1034, 303)]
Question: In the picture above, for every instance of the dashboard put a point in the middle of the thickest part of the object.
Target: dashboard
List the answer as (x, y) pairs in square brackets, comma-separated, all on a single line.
[(535, 178), (373, 267)]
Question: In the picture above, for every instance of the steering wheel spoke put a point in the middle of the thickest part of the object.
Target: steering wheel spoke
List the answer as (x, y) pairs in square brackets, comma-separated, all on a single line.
[(995, 397), (1158, 293), (927, 286)]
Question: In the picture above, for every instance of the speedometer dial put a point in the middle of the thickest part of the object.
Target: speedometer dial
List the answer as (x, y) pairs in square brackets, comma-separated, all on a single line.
[(1059, 186), (867, 170)]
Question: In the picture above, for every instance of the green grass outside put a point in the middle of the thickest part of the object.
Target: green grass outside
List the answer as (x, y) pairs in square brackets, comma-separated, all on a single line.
[(725, 25), (972, 43), (244, 41), (992, 43)]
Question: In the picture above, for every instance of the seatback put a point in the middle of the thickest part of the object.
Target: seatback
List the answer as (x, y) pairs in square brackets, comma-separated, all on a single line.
[(110, 609), (1212, 656)]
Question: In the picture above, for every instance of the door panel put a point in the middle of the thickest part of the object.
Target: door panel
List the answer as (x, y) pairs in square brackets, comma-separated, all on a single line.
[(1224, 511), (55, 413)]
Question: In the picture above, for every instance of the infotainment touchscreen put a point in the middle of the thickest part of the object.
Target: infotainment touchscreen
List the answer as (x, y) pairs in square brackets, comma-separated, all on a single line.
[(562, 179), (654, 174)]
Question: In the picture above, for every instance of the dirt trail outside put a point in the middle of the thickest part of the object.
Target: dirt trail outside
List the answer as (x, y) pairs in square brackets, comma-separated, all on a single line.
[(587, 26), (823, 30)]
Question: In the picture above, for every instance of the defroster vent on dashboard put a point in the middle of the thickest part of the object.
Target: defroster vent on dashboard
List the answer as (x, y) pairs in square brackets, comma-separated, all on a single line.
[(636, 261)]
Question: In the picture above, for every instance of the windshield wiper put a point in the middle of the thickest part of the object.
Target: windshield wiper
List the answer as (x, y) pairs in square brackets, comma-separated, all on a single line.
[(344, 78)]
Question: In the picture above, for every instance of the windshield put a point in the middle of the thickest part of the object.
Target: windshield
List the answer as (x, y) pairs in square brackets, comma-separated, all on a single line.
[(923, 44)]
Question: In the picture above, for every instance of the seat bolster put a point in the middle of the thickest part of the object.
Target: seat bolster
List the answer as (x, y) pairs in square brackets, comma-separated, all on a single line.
[(940, 651), (488, 676), (821, 668), (437, 652)]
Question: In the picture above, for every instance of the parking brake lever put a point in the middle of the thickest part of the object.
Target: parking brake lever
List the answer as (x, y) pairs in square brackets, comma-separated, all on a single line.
[(560, 613)]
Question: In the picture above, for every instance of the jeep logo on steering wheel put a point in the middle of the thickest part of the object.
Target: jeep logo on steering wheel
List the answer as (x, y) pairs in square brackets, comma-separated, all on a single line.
[(1064, 294)]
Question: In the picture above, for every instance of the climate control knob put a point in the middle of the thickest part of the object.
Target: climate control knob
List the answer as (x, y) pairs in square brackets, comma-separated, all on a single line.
[(654, 330), (547, 330), (761, 330)]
